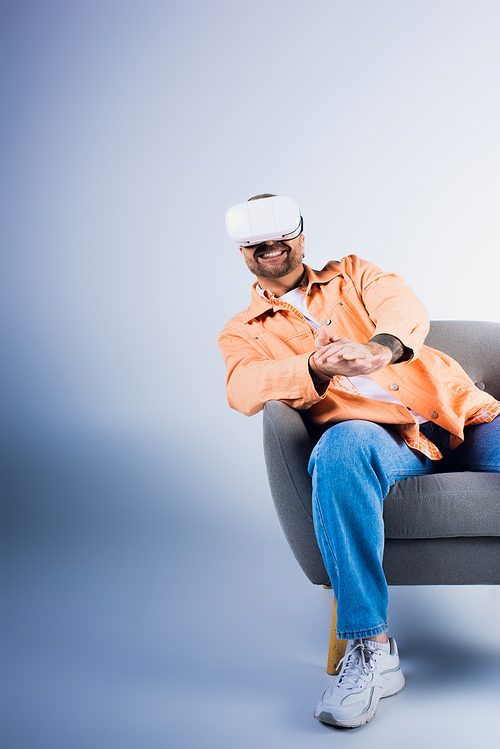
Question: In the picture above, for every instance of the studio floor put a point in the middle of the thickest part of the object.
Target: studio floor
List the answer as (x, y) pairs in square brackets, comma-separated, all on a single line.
[(142, 615)]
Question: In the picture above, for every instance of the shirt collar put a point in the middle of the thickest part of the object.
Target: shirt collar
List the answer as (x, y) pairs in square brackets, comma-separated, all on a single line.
[(262, 303)]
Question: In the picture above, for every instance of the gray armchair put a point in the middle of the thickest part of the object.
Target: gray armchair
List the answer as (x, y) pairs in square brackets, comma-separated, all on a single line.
[(442, 529)]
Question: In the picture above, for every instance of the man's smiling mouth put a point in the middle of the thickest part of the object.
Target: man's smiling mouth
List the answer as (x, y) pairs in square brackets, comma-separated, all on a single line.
[(269, 252), (273, 253)]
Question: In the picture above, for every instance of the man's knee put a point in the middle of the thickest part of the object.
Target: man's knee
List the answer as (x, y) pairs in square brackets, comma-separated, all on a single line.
[(350, 438), (347, 446)]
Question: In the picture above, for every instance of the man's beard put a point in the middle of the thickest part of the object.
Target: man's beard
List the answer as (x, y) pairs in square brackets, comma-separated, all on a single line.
[(287, 263)]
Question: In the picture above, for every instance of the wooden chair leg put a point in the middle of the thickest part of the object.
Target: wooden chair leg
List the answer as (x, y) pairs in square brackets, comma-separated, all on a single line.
[(337, 648)]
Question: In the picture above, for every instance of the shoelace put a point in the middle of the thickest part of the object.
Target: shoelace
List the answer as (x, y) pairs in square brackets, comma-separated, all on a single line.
[(356, 663)]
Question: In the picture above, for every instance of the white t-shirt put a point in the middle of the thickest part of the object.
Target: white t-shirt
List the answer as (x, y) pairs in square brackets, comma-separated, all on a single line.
[(364, 384)]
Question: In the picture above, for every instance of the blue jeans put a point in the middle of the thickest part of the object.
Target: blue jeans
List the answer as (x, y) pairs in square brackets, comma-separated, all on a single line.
[(353, 466)]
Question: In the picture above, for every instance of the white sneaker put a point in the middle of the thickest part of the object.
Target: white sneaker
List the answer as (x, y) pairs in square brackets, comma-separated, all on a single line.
[(367, 675)]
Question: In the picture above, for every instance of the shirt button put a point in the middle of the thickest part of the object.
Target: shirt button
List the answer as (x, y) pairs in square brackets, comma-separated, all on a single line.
[(327, 321), (434, 414), (394, 386)]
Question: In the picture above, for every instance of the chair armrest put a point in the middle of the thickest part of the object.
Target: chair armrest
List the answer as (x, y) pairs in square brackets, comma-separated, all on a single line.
[(287, 446)]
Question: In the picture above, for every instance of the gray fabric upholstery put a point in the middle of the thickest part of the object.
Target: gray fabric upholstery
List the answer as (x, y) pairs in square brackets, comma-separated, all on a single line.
[(440, 529)]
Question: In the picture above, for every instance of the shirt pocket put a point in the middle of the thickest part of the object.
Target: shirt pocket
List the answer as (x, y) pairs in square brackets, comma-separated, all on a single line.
[(350, 318)]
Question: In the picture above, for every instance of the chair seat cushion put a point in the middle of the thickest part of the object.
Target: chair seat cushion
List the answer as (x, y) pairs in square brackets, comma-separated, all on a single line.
[(444, 505)]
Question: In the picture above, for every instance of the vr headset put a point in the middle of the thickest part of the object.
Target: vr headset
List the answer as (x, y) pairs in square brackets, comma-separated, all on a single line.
[(264, 220)]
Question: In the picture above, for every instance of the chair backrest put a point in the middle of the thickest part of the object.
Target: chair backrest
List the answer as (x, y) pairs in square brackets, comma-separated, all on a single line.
[(475, 345)]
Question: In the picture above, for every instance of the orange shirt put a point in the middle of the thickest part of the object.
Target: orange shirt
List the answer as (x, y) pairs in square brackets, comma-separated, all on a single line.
[(267, 348)]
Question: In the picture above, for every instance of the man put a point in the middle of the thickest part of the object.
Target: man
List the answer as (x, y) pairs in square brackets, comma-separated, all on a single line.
[(346, 343)]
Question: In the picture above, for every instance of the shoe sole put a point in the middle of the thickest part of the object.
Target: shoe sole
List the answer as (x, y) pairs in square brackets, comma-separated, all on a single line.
[(392, 688)]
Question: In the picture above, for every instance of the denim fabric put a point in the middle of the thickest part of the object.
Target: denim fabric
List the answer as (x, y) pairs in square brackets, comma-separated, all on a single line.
[(353, 466)]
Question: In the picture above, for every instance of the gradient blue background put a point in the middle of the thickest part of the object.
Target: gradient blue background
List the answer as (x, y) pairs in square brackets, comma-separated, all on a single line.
[(150, 597)]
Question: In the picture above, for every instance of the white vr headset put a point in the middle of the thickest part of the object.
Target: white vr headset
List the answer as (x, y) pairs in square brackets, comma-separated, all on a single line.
[(263, 220)]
